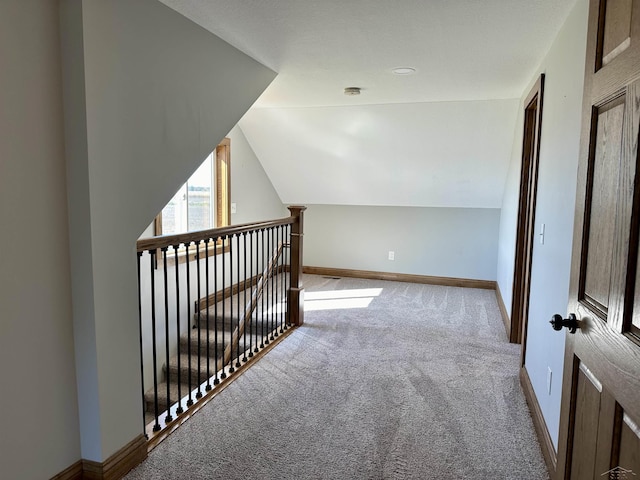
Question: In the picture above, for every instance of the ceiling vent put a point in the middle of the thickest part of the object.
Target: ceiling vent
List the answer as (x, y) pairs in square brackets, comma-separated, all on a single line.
[(404, 71)]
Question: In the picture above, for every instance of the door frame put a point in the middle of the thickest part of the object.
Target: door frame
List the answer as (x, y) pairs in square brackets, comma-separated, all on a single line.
[(526, 215)]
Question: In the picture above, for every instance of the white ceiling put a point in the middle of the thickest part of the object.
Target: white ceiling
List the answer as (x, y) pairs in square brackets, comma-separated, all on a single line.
[(463, 50)]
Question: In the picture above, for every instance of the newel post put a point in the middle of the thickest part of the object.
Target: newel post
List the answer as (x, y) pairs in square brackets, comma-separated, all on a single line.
[(296, 291)]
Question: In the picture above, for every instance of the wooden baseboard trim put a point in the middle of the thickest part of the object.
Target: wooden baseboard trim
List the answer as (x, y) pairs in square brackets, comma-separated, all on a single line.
[(118, 464), (114, 468), (548, 450), (503, 312), (74, 472), (401, 277)]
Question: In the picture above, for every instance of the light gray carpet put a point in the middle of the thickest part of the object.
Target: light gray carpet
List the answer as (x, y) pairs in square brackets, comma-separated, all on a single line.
[(420, 384)]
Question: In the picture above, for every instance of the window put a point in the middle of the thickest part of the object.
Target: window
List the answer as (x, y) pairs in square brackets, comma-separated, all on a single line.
[(203, 202)]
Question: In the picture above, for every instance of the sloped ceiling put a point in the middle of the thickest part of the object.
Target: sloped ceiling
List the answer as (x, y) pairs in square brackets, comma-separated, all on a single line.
[(440, 137), (447, 154)]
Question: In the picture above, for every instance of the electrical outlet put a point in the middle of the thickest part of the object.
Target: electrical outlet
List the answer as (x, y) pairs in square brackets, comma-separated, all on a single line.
[(392, 255), (233, 208), (549, 376)]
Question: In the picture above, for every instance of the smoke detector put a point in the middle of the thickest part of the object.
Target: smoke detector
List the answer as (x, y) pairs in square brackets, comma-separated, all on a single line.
[(352, 91)]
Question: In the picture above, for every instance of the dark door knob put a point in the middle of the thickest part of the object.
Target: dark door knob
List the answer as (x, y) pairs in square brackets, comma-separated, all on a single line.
[(557, 322)]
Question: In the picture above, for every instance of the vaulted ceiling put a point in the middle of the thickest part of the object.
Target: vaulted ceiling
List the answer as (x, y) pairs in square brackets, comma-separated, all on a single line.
[(439, 137)]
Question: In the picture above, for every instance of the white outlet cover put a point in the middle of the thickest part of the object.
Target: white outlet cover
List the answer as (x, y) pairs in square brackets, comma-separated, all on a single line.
[(392, 255)]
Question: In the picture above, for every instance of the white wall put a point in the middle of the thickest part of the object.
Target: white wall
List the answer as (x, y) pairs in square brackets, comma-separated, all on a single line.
[(439, 154), (447, 242), (39, 434), (146, 100), (559, 150), (251, 189)]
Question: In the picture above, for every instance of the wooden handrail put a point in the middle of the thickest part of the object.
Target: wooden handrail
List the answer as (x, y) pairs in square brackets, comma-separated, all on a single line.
[(253, 303), (162, 241)]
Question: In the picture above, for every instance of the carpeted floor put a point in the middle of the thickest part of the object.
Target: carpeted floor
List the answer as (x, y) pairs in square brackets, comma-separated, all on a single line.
[(410, 381)]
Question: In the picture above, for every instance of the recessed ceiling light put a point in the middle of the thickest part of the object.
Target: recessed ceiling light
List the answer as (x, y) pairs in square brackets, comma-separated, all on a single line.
[(352, 91), (404, 70)]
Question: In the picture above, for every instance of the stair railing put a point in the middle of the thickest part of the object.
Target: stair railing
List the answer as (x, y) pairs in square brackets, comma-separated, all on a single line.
[(251, 307), (209, 303)]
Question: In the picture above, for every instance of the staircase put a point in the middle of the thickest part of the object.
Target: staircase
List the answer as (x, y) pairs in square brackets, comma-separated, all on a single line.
[(256, 295), (205, 343)]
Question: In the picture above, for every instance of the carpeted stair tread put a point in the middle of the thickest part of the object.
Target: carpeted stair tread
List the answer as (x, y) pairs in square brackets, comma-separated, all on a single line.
[(185, 366), (184, 378), (226, 312), (244, 344), (204, 335), (162, 395), (253, 335), (230, 319)]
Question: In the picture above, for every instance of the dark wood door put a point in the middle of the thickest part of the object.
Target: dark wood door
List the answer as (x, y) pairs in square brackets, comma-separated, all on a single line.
[(600, 415)]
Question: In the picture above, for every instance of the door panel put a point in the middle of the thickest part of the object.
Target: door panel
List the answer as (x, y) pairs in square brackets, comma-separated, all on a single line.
[(601, 204), (629, 444), (617, 29), (599, 436), (587, 400)]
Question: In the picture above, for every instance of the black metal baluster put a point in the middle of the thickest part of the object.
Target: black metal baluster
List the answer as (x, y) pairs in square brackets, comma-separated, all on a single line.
[(167, 333), (275, 281), (224, 240), (144, 426), (265, 263), (280, 259), (175, 252), (216, 322), (256, 326), (250, 319), (156, 426), (189, 324), (244, 298), (231, 369), (199, 314), (206, 272), (268, 253), (276, 285), (264, 281), (258, 292), (270, 286), (270, 280), (237, 357), (281, 279), (283, 276)]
